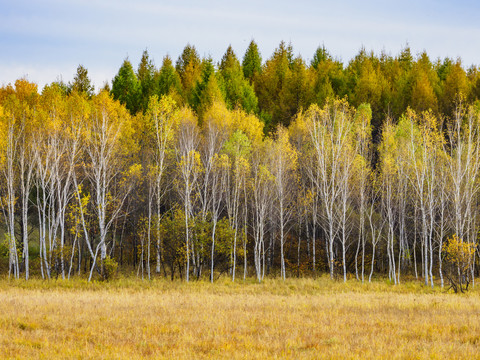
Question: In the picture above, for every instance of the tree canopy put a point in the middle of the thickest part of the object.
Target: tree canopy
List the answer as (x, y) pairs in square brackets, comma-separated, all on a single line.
[(204, 168)]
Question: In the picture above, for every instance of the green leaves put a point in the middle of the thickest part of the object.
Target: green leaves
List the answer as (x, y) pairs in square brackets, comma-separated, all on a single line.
[(252, 62), (168, 81), (238, 145), (126, 88), (238, 91)]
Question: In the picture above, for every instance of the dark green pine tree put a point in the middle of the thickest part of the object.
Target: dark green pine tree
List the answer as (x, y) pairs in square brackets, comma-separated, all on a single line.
[(207, 90), (126, 88), (252, 62), (320, 67), (145, 76), (321, 56), (238, 91), (168, 81)]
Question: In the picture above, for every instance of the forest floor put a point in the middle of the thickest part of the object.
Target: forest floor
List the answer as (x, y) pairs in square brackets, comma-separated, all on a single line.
[(298, 319)]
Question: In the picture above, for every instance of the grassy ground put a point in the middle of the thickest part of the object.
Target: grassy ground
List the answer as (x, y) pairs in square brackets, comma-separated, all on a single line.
[(298, 319)]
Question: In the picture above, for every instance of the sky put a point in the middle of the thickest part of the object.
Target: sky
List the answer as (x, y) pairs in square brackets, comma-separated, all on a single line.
[(45, 41)]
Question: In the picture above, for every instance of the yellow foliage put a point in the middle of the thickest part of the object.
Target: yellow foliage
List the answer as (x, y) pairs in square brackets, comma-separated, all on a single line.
[(187, 117), (53, 110), (111, 122), (25, 90), (191, 162), (3, 133), (161, 118), (388, 150), (458, 257), (242, 166), (221, 162), (458, 252), (218, 120), (298, 130), (248, 124), (133, 173), (285, 150)]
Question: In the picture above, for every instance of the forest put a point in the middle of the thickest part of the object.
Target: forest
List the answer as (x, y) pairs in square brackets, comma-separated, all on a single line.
[(246, 168)]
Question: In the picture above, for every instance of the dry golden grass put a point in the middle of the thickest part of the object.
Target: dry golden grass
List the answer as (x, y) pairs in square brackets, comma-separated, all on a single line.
[(298, 319)]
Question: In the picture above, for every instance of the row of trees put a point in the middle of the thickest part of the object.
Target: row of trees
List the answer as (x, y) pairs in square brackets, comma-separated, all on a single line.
[(278, 88), (86, 185)]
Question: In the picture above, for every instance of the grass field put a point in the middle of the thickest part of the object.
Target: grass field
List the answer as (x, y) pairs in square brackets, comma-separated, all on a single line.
[(298, 319)]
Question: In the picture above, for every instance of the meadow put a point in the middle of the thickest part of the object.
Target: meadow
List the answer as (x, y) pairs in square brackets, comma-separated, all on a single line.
[(298, 319)]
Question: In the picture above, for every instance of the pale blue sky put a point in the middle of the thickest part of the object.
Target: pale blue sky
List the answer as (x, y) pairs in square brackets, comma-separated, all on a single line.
[(44, 40)]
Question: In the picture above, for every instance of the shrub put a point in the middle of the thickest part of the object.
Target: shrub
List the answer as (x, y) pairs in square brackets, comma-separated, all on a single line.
[(458, 257), (109, 266)]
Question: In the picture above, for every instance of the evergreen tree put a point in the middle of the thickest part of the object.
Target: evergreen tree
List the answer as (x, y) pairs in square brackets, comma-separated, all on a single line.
[(474, 79), (188, 67), (81, 82), (322, 71), (238, 90), (145, 76), (321, 56), (406, 58), (425, 85), (168, 81), (252, 62), (126, 88), (454, 87), (272, 87), (207, 89), (368, 86)]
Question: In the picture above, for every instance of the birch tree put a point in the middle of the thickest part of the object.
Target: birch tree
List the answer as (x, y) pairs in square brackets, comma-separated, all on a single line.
[(189, 167), (364, 150), (388, 179), (261, 195), (283, 164), (26, 111), (9, 144), (218, 181), (329, 129), (161, 118), (109, 140), (217, 127), (424, 140), (238, 148), (463, 171)]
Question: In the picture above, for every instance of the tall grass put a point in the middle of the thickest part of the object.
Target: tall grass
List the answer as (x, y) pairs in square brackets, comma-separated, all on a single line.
[(299, 319)]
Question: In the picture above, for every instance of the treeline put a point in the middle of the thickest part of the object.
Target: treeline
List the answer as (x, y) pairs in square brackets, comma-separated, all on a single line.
[(210, 178), (277, 89)]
